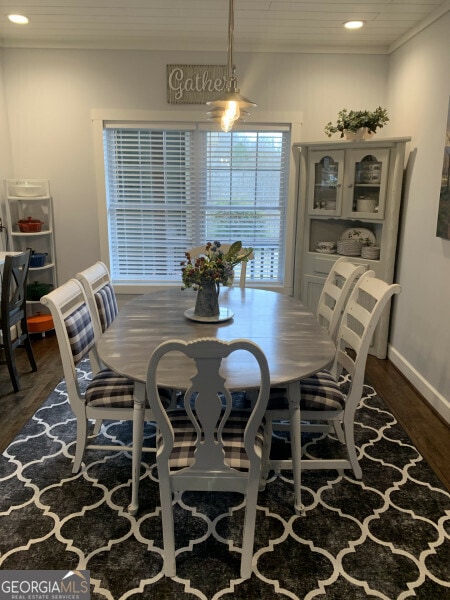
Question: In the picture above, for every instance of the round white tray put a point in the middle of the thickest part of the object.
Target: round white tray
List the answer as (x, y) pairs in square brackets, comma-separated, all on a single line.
[(225, 314), (360, 234)]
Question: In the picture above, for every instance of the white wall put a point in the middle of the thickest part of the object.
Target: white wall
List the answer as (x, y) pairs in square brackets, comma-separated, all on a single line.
[(5, 154), (418, 97)]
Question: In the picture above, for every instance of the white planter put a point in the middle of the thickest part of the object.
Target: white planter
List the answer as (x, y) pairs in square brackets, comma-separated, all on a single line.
[(358, 136)]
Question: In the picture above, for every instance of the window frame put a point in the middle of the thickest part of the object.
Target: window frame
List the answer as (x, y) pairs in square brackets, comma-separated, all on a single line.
[(172, 120)]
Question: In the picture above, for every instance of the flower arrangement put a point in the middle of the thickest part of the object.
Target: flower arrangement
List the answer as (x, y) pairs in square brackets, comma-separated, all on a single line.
[(357, 119), (213, 266)]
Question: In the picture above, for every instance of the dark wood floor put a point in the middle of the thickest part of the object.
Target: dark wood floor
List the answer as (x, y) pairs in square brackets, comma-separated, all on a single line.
[(428, 432), (17, 409)]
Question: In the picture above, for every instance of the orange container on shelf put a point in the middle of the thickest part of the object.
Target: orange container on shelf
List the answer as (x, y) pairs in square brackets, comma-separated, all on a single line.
[(30, 225), (40, 323)]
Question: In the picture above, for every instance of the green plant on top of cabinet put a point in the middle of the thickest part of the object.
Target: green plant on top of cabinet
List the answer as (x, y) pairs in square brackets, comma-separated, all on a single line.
[(354, 120)]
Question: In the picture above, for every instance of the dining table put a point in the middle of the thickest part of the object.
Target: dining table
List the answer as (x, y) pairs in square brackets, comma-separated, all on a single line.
[(295, 345)]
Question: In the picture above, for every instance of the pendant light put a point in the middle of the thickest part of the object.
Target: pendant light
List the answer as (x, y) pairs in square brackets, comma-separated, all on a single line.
[(228, 108)]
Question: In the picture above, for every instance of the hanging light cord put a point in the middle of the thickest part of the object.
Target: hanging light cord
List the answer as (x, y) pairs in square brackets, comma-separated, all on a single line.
[(230, 67)]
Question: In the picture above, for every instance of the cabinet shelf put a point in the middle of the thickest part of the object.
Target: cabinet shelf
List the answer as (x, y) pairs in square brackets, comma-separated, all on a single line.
[(43, 268), (32, 233), (368, 185), (355, 259)]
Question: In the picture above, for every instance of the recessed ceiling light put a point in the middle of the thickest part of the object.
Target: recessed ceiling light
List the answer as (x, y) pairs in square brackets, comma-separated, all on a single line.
[(354, 24), (18, 19)]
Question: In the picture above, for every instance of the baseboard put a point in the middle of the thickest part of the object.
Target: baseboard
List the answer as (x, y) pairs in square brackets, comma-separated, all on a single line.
[(440, 404)]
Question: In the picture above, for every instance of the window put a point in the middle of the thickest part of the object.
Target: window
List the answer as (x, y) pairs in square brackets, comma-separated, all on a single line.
[(169, 189)]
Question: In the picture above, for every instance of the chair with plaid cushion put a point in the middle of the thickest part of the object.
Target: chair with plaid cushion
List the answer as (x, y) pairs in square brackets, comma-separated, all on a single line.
[(108, 395), (332, 301), (205, 445), (97, 284), (321, 395)]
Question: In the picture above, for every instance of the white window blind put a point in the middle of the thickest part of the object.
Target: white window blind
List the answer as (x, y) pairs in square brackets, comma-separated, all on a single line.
[(172, 188)]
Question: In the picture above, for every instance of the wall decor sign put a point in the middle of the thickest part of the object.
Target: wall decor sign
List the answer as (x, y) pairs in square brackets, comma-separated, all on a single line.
[(195, 84), (443, 221)]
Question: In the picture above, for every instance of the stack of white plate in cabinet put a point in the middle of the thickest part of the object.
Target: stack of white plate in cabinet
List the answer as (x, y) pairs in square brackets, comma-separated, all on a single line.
[(349, 247), (370, 252)]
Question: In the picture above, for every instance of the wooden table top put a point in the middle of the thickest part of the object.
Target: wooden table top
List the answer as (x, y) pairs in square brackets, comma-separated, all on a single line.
[(295, 344)]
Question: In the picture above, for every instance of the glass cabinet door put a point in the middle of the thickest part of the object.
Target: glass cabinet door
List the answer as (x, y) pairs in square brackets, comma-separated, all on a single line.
[(325, 182), (366, 181)]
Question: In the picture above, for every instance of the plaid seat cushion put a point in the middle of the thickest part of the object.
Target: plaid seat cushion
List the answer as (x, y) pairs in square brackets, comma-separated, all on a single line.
[(321, 392), (318, 392), (233, 435), (107, 388), (80, 332), (106, 302)]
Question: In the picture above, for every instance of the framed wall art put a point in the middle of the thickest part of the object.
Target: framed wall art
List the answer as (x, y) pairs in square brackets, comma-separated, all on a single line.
[(443, 222)]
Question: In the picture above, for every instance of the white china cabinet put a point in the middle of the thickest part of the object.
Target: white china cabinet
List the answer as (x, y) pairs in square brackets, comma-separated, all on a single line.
[(348, 193)]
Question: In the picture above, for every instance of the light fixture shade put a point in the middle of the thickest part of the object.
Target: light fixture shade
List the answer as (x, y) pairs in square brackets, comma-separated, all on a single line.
[(227, 97)]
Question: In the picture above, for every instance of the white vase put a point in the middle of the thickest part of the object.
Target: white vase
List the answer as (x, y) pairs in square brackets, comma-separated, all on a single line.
[(358, 136), (349, 135)]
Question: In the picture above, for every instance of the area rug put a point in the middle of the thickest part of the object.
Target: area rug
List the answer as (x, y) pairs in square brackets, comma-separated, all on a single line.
[(387, 536)]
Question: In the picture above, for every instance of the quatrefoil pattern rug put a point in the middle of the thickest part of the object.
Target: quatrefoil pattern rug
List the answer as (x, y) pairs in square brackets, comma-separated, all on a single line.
[(387, 536)]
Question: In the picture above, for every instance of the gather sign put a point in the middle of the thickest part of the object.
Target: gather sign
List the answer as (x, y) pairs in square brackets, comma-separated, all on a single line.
[(195, 84)]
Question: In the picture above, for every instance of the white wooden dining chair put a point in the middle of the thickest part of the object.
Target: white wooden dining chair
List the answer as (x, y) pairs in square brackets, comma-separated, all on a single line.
[(108, 395), (200, 250), (335, 293), (207, 446), (321, 396)]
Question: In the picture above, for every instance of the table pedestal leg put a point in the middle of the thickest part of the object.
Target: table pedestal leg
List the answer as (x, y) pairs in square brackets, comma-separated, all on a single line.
[(296, 442), (138, 434)]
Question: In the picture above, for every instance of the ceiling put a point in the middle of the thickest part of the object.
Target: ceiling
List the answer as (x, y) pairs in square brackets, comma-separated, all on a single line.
[(260, 25)]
